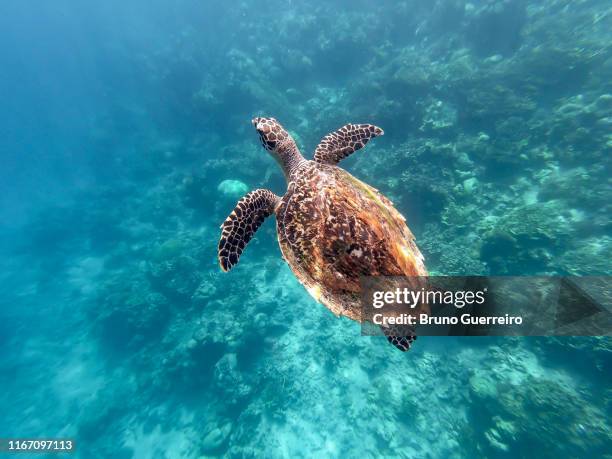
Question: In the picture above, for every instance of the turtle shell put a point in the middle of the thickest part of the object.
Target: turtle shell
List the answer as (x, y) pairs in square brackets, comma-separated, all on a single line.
[(333, 228)]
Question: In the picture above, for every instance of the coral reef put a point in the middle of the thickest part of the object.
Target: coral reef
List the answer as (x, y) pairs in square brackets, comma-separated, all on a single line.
[(119, 329)]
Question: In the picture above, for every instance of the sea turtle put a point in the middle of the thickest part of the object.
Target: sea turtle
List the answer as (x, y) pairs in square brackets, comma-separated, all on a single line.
[(332, 228)]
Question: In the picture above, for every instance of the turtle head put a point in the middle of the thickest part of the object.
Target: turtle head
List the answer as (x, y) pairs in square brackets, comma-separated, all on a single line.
[(278, 142), (271, 133)]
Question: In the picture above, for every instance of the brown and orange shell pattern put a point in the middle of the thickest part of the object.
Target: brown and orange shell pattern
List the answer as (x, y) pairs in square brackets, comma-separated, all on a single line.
[(333, 228)]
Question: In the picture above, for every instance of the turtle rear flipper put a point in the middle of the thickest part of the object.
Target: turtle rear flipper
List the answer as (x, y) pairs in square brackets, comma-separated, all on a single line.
[(339, 144), (240, 226), (401, 337)]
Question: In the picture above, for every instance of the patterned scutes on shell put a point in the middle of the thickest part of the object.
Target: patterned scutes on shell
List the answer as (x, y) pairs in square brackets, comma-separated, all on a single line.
[(334, 228)]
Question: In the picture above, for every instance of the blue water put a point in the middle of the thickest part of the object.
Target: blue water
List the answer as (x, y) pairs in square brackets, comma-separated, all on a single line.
[(125, 140)]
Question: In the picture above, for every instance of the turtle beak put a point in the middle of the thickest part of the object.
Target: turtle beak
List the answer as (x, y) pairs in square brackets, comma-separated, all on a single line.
[(255, 121)]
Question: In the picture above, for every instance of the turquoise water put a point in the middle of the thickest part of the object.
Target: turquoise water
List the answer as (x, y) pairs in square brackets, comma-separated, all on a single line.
[(125, 140)]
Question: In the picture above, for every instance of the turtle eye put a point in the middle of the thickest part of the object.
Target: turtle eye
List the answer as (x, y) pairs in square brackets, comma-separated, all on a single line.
[(268, 144), (262, 128)]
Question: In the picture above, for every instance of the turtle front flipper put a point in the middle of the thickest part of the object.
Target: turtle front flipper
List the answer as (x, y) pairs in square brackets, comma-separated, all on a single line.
[(240, 226), (339, 144)]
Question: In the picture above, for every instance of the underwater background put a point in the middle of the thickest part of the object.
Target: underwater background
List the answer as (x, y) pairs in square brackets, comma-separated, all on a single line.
[(125, 140)]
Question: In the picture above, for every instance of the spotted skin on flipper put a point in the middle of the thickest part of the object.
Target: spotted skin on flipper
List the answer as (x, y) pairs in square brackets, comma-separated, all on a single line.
[(240, 226), (403, 343), (401, 336), (339, 144)]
